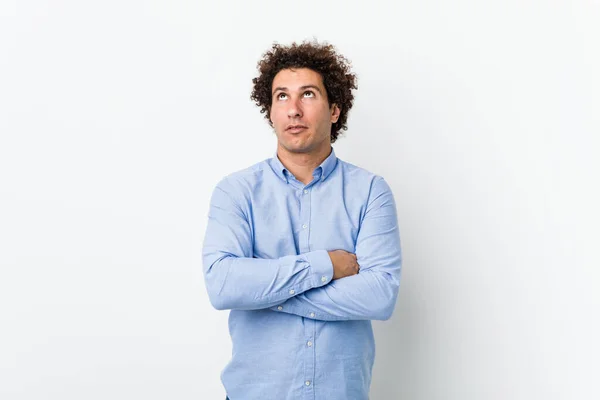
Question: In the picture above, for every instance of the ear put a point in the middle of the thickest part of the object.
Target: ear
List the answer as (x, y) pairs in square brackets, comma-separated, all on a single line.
[(335, 113)]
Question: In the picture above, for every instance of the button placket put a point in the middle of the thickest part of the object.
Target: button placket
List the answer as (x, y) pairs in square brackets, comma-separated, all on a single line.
[(304, 201), (309, 324)]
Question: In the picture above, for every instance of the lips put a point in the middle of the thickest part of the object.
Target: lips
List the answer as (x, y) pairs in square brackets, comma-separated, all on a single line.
[(295, 128)]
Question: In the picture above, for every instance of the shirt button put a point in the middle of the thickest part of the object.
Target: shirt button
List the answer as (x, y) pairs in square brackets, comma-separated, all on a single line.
[(280, 308), (292, 291), (309, 343), (304, 226), (307, 383), (323, 279), (306, 192), (312, 314)]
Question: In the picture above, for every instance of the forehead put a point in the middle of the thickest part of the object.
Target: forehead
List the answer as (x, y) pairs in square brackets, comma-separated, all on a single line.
[(297, 77)]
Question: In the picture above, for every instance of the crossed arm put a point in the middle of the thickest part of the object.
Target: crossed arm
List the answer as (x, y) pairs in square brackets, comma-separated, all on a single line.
[(302, 284)]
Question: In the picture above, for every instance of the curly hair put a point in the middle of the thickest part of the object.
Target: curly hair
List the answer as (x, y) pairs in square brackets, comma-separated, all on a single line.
[(322, 58)]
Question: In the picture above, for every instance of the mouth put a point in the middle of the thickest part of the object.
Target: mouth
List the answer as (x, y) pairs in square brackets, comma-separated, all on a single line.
[(295, 128)]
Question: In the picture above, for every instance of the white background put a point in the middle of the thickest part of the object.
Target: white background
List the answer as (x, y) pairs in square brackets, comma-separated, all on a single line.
[(117, 118)]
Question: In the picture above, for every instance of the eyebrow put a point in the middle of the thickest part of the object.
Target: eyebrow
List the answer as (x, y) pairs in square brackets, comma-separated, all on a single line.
[(283, 89)]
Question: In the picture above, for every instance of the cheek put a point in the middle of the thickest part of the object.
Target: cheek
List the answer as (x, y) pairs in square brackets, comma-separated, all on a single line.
[(276, 116)]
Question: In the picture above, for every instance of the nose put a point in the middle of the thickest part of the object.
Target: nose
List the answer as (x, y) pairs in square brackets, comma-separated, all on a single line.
[(295, 109)]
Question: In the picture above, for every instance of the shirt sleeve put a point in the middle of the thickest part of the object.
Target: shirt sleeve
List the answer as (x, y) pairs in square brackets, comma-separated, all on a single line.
[(371, 294), (234, 278)]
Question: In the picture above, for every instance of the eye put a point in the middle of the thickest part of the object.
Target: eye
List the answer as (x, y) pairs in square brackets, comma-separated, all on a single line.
[(310, 93), (281, 94)]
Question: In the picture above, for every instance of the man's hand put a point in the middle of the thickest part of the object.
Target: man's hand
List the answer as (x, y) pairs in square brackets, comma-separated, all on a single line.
[(344, 264)]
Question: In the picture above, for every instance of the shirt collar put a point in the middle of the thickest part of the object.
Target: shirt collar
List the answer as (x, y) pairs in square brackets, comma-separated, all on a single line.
[(326, 167)]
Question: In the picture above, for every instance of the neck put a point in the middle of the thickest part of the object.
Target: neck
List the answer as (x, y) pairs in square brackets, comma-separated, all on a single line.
[(302, 165)]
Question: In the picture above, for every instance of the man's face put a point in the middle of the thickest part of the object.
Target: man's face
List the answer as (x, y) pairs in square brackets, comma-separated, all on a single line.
[(300, 111)]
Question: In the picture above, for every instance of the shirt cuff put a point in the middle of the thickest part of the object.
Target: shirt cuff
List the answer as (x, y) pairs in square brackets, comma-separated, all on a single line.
[(321, 267)]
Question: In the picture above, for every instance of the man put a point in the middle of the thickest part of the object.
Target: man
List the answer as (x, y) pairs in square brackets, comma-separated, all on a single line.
[(303, 248)]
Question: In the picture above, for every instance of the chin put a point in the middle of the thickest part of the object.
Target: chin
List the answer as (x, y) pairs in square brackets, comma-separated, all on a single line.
[(295, 143), (297, 149)]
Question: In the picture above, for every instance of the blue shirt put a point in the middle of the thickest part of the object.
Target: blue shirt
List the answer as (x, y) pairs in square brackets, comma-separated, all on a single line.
[(296, 333)]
